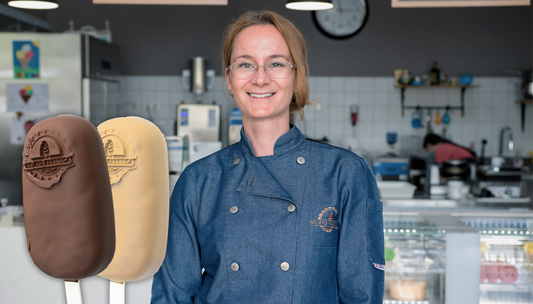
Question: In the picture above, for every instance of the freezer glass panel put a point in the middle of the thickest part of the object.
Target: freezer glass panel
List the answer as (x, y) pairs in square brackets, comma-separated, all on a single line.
[(506, 254), (415, 254)]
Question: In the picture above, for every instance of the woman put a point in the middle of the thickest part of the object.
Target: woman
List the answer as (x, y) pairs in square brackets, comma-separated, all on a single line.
[(274, 218), (445, 150)]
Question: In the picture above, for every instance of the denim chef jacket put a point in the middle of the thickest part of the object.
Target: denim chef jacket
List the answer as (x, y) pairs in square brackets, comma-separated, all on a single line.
[(302, 226)]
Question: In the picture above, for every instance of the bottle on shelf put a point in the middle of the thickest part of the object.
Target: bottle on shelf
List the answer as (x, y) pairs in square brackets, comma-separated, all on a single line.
[(434, 74)]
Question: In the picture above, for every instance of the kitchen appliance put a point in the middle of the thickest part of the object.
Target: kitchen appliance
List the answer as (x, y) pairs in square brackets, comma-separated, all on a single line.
[(235, 126), (392, 139), (499, 182), (200, 122), (434, 187), (391, 168), (455, 170), (198, 79), (80, 72)]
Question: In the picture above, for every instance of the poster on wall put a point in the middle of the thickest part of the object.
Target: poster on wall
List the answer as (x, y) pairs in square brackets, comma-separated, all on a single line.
[(24, 97), (26, 59), (20, 126)]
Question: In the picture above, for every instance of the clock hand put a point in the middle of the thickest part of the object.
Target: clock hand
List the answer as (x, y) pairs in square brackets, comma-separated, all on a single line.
[(340, 6)]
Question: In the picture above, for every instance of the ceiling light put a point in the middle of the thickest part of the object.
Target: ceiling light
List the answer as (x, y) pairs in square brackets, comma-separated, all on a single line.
[(309, 5), (34, 4)]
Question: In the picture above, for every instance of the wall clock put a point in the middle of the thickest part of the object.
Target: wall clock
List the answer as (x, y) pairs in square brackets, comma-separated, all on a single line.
[(344, 20)]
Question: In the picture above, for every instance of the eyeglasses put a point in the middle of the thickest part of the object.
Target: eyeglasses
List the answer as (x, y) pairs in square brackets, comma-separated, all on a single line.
[(274, 69)]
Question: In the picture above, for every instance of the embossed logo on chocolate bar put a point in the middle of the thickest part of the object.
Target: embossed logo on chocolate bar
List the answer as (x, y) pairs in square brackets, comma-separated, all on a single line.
[(46, 157), (119, 154)]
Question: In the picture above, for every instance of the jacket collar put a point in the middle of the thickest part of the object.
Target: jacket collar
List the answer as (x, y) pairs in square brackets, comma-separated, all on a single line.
[(285, 143)]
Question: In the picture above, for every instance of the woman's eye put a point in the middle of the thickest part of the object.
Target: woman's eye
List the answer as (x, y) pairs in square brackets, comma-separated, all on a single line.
[(245, 65), (276, 65)]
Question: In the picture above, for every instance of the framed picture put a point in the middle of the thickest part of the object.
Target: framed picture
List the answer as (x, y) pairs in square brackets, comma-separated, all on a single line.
[(458, 3), (164, 2)]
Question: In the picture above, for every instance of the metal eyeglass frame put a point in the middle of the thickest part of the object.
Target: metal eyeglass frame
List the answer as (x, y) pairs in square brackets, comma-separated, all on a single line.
[(291, 66)]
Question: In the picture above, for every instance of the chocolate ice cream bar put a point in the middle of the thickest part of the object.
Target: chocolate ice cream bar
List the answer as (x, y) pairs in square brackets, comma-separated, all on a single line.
[(67, 199)]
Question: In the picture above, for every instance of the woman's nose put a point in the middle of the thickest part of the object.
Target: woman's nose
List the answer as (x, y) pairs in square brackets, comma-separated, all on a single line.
[(261, 77)]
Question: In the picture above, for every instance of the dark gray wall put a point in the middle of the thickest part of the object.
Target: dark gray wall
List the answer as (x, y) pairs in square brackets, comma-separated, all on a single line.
[(158, 40)]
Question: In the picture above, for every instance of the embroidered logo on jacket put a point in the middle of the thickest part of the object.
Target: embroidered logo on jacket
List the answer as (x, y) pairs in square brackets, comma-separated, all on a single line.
[(326, 220)]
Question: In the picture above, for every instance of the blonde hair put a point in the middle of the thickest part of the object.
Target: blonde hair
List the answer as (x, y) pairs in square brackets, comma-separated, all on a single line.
[(295, 41)]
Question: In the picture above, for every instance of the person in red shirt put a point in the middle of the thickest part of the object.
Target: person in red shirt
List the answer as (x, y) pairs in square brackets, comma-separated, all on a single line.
[(445, 150)]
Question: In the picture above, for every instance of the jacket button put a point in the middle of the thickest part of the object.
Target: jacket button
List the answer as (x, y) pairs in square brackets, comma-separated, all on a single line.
[(291, 208), (284, 266), (235, 266), (300, 160), (237, 161), (234, 209)]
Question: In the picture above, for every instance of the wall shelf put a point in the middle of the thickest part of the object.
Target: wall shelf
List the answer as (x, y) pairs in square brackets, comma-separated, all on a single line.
[(438, 86), (523, 104)]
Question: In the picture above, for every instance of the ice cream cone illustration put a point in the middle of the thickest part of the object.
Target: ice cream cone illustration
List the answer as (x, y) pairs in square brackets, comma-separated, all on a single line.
[(24, 63), (26, 93), (24, 55)]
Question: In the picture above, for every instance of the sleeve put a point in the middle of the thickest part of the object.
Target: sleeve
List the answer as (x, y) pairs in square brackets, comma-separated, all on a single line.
[(180, 275), (360, 253)]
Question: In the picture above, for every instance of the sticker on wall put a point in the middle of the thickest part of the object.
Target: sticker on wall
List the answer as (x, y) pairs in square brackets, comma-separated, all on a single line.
[(20, 126), (26, 59), (23, 97)]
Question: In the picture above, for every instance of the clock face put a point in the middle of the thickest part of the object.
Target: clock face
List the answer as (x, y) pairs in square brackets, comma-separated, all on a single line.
[(343, 20)]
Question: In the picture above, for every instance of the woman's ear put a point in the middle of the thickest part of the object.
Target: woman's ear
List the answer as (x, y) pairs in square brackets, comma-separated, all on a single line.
[(228, 81)]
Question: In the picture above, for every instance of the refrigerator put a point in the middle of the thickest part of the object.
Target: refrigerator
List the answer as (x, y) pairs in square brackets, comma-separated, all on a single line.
[(66, 73)]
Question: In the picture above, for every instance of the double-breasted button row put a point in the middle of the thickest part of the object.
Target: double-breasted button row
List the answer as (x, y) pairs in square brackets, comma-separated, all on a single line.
[(284, 266), (235, 209), (300, 160)]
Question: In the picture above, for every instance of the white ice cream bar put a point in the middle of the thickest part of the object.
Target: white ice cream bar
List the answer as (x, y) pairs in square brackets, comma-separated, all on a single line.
[(137, 160)]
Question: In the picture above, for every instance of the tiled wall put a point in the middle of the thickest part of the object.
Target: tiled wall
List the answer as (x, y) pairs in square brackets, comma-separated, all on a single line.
[(487, 109)]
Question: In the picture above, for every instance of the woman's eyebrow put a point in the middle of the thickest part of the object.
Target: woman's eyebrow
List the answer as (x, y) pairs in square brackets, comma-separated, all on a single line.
[(270, 56), (278, 56), (243, 56)]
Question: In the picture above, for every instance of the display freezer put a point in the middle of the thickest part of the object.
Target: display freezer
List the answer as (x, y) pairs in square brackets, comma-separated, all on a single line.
[(506, 257), (430, 259)]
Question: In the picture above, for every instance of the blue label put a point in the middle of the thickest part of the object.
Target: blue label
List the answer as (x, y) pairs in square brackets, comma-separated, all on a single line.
[(212, 118), (184, 117)]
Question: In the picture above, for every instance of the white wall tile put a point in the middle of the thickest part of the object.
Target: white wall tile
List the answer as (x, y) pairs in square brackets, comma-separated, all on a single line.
[(381, 99), (337, 84), (148, 82), (162, 83), (366, 84), (351, 84), (322, 84), (383, 84), (366, 98)]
